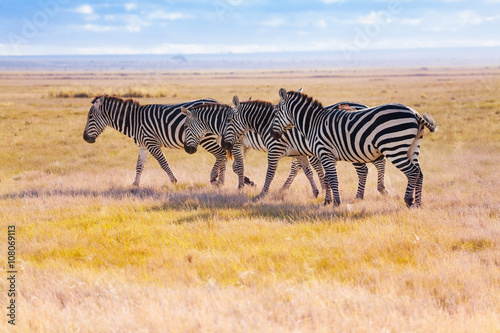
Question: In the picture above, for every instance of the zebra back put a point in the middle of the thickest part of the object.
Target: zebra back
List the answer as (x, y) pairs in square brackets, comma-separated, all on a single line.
[(212, 118)]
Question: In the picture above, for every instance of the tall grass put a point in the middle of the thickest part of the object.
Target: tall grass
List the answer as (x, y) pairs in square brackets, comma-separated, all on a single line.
[(97, 254), (130, 91)]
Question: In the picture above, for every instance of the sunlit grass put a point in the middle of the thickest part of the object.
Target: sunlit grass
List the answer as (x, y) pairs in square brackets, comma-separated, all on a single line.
[(128, 92), (96, 254)]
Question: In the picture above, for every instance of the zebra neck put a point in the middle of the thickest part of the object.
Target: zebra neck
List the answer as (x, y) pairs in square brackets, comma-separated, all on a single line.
[(260, 121), (121, 116), (306, 119), (215, 121)]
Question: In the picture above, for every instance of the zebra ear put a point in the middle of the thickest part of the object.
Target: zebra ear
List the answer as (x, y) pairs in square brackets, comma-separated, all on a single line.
[(96, 102), (300, 90), (236, 102), (282, 94), (186, 112)]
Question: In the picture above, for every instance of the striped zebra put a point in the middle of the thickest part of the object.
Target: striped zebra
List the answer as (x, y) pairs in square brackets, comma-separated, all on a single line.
[(257, 116), (393, 131), (211, 118), (151, 127)]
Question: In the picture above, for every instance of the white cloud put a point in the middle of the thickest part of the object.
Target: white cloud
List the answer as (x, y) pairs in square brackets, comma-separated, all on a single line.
[(130, 6), (409, 21), (85, 9), (162, 15), (383, 17), (274, 22), (98, 28), (466, 17), (321, 24), (491, 18)]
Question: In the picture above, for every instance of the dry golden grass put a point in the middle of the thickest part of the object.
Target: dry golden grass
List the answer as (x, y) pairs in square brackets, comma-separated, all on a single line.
[(97, 255)]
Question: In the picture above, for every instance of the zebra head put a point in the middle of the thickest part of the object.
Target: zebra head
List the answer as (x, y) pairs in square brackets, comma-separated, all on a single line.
[(282, 118), (96, 120), (193, 131), (235, 126)]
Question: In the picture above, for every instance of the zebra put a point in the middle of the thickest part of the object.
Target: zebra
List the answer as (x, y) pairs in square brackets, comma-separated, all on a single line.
[(151, 127), (257, 116), (393, 131), (211, 118)]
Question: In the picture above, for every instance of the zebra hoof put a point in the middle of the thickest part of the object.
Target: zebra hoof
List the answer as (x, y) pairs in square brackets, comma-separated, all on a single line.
[(383, 191), (359, 197), (327, 202), (218, 184), (315, 193), (337, 202), (257, 198), (416, 205), (249, 182), (409, 202), (135, 184)]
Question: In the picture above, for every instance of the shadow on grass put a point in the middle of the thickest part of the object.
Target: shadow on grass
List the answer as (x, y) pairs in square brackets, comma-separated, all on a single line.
[(242, 206), (197, 200), (112, 193)]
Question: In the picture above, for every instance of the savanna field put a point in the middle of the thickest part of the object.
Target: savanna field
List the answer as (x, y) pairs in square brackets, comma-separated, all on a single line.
[(95, 254)]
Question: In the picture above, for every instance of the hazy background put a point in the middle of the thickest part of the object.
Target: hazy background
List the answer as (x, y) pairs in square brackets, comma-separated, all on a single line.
[(215, 34)]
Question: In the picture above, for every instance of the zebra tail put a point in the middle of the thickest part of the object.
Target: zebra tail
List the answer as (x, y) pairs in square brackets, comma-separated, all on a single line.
[(427, 121)]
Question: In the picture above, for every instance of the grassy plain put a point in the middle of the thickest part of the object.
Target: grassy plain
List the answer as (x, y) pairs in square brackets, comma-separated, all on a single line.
[(97, 255)]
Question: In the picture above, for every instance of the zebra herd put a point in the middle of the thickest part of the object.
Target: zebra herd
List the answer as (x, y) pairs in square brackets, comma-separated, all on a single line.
[(298, 126)]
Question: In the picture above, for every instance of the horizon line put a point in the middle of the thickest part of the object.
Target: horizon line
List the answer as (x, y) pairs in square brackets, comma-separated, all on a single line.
[(252, 53)]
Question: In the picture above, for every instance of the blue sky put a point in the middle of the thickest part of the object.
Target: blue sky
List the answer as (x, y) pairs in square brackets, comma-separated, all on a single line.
[(61, 27)]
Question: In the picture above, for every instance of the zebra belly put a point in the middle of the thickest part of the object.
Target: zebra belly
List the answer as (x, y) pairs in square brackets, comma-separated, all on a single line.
[(292, 151), (346, 147), (254, 141)]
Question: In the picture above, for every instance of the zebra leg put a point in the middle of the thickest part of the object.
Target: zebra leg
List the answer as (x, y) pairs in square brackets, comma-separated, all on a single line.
[(141, 161), (218, 173), (238, 164), (380, 165), (414, 152), (411, 171), (362, 171), (330, 166), (219, 168), (222, 170), (293, 173), (272, 165), (316, 164), (304, 162), (418, 190), (155, 150)]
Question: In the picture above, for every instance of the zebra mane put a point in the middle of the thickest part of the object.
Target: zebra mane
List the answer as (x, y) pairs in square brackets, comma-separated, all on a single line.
[(313, 103), (222, 107), (117, 99), (259, 103)]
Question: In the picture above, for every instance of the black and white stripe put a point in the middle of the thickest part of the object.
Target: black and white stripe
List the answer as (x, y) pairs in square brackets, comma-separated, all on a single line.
[(257, 116), (393, 131), (151, 127), (211, 118)]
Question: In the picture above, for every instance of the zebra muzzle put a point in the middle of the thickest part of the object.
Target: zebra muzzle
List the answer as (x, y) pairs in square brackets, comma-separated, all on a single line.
[(226, 145), (190, 149), (88, 138), (275, 135)]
